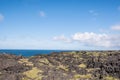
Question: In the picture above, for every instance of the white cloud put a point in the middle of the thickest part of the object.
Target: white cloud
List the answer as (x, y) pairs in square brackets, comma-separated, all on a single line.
[(61, 38), (42, 13), (1, 17), (116, 27), (93, 39)]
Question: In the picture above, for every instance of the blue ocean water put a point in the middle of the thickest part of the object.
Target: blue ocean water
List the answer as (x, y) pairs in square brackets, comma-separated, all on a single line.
[(28, 53)]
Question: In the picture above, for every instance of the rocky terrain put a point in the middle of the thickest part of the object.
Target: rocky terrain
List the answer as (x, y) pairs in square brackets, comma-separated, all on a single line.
[(76, 65)]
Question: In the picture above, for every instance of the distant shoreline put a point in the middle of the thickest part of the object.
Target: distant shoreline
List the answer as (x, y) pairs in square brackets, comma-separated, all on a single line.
[(32, 52)]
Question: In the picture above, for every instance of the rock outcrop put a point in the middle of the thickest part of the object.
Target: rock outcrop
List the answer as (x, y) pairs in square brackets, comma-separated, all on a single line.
[(76, 65)]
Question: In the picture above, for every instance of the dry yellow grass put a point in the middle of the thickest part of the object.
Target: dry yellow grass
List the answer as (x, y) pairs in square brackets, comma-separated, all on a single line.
[(33, 74), (78, 76), (62, 67), (26, 62), (82, 65), (110, 78)]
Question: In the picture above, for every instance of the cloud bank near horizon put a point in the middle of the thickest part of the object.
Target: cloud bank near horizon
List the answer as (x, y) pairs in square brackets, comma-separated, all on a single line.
[(116, 27), (93, 39)]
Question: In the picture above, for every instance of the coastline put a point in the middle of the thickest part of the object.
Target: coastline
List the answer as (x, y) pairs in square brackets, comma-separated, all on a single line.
[(75, 65)]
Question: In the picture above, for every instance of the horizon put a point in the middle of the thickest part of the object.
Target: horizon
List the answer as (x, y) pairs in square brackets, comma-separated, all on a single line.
[(60, 25), (69, 49)]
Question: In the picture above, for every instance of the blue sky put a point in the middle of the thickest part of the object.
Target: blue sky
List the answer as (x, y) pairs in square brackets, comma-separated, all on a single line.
[(60, 24)]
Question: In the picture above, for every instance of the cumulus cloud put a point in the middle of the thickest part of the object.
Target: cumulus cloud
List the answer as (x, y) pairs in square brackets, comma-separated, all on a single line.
[(61, 38), (116, 27), (42, 13), (93, 39), (1, 17)]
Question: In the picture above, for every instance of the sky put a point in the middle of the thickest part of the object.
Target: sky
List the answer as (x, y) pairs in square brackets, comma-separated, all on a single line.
[(60, 24)]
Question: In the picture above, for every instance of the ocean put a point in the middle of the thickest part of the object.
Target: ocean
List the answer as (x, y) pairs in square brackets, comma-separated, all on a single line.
[(28, 53)]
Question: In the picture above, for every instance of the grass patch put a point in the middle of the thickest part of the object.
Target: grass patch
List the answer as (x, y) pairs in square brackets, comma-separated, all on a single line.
[(87, 76), (82, 65), (32, 74)]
